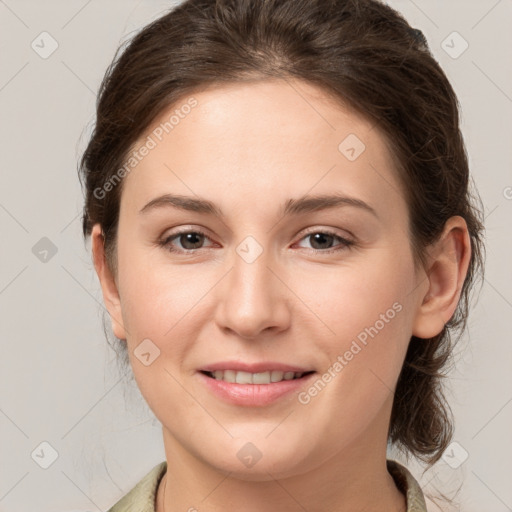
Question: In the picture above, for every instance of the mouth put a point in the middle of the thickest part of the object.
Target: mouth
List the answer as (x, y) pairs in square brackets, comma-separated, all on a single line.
[(256, 384), (265, 377)]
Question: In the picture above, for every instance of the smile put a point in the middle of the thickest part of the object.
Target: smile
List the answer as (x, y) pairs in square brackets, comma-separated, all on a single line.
[(258, 388)]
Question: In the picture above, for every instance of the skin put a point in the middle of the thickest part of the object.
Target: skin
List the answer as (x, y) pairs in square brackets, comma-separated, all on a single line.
[(249, 148)]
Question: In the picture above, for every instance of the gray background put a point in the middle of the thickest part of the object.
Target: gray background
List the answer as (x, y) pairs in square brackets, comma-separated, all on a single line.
[(59, 379)]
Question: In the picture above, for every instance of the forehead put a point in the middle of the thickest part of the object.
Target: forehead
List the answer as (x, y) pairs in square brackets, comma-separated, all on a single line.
[(266, 137)]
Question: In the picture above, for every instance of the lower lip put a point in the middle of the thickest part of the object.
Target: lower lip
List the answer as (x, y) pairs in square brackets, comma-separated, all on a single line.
[(253, 395)]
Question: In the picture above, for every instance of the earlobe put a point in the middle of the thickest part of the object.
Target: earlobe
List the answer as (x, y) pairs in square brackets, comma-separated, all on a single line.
[(448, 265), (108, 286)]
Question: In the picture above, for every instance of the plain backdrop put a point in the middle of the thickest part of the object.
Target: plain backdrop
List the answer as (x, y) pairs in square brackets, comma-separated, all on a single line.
[(59, 382)]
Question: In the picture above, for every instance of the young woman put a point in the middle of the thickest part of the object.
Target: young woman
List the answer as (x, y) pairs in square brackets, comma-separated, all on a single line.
[(277, 197)]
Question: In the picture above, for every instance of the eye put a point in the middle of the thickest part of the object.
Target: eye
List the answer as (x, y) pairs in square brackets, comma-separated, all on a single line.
[(322, 241), (189, 241), (192, 240)]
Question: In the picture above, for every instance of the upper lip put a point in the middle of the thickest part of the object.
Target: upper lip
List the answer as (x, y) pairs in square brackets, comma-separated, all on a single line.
[(264, 366)]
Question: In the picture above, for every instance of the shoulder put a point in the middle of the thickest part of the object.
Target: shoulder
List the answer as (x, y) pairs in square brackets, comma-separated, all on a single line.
[(406, 482), (141, 498)]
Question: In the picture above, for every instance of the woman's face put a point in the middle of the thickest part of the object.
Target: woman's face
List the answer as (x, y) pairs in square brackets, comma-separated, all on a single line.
[(298, 259)]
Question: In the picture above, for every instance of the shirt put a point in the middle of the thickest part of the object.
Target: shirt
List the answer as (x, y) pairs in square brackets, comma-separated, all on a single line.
[(143, 496)]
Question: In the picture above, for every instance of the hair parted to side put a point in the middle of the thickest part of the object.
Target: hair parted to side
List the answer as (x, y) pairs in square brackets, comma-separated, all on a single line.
[(364, 54)]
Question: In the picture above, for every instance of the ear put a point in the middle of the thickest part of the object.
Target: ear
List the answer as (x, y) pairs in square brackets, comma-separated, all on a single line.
[(449, 259), (107, 282)]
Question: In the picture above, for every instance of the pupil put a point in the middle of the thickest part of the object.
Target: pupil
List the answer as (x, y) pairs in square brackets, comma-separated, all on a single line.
[(321, 237), (189, 238)]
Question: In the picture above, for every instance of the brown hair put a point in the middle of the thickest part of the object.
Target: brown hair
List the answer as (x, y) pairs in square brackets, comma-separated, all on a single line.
[(363, 53)]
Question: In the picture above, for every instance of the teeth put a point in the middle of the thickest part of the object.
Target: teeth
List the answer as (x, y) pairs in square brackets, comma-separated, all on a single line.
[(254, 378), (260, 378), (243, 378), (276, 376)]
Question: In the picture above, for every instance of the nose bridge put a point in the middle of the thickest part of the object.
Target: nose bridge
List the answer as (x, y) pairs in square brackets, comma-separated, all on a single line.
[(250, 278), (252, 299)]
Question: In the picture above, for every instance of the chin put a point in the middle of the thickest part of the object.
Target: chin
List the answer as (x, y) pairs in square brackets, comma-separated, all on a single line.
[(260, 461)]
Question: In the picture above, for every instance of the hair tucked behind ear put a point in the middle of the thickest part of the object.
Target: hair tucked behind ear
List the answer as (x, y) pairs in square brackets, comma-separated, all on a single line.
[(363, 53)]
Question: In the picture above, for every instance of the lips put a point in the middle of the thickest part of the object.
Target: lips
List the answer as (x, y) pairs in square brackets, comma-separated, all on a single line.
[(258, 388), (253, 383)]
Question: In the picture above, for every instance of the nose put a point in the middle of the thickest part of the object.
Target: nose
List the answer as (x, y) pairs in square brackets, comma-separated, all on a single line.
[(253, 300)]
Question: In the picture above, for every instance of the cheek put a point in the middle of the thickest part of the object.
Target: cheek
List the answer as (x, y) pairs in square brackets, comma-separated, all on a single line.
[(157, 298), (364, 330), (157, 304), (362, 314), (165, 305), (350, 298)]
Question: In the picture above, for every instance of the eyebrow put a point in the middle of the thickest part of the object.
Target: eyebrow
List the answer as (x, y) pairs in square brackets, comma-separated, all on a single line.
[(305, 204)]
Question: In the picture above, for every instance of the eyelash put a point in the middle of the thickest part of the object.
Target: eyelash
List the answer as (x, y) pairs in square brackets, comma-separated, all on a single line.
[(166, 242)]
